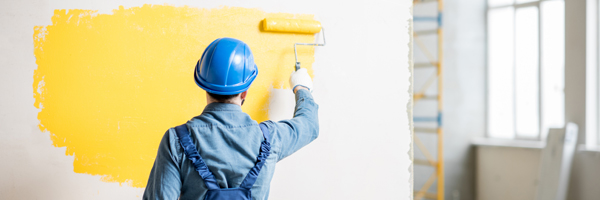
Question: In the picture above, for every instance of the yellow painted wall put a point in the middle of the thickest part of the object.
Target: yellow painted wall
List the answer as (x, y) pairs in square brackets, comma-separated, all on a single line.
[(110, 85)]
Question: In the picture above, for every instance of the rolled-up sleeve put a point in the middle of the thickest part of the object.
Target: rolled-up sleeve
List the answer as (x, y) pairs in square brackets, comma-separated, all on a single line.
[(292, 134), (164, 181)]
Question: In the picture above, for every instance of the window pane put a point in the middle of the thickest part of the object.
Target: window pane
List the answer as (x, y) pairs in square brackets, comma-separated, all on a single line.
[(595, 135), (492, 3), (527, 72), (525, 1), (553, 68), (500, 73)]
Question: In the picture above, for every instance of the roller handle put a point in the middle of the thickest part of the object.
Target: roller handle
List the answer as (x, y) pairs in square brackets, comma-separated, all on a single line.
[(297, 66)]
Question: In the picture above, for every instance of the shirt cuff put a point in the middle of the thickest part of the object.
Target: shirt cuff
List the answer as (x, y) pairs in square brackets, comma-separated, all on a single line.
[(303, 93)]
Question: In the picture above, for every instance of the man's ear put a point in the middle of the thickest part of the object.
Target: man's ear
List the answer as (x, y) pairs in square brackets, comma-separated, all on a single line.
[(243, 94)]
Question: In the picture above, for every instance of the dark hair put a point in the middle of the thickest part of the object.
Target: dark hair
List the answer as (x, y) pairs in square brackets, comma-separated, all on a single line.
[(222, 98)]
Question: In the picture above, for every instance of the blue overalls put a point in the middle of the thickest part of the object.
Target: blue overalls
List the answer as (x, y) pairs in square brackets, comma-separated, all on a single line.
[(243, 192)]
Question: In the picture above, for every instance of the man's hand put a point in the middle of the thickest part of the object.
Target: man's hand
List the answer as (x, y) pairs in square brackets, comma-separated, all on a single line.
[(301, 80)]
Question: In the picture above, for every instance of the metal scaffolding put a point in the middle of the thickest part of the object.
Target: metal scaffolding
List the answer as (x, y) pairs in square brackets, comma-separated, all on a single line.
[(437, 164)]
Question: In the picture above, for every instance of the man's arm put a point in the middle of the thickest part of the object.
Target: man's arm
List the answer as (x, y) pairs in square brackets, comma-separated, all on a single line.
[(299, 131), (164, 181)]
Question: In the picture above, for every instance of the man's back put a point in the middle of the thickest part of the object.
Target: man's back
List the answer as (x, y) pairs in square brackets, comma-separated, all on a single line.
[(229, 142)]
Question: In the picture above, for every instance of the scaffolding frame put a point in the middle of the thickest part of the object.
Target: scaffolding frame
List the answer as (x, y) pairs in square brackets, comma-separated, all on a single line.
[(437, 164)]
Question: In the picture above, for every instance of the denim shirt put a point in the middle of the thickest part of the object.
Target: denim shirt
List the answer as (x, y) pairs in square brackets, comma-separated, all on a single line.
[(229, 142)]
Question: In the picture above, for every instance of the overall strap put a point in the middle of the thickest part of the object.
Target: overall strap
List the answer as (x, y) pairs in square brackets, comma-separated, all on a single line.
[(192, 153), (265, 151)]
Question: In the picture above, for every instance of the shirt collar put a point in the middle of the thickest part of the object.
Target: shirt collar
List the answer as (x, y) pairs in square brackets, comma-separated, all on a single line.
[(222, 107)]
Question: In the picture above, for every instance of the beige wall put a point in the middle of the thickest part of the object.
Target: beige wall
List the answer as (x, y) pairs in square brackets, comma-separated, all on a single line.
[(507, 172), (512, 173)]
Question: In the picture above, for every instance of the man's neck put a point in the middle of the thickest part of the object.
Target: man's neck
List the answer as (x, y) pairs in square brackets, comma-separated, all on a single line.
[(211, 100)]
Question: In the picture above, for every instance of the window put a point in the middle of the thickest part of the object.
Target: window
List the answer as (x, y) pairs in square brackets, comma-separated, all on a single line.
[(525, 68)]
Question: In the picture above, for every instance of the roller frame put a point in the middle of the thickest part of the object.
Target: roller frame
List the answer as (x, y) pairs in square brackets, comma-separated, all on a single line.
[(308, 44)]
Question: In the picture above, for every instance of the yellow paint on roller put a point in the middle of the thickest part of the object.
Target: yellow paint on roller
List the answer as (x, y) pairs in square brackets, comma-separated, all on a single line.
[(110, 85), (291, 25)]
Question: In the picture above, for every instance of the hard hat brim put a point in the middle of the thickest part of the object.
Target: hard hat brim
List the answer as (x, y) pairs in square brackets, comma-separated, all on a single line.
[(224, 89)]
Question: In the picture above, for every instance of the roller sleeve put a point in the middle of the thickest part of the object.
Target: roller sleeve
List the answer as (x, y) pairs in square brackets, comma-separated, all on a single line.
[(291, 25)]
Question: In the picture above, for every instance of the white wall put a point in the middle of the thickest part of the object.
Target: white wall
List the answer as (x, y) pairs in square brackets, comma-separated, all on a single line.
[(464, 94), (362, 76), (464, 118), (464, 85)]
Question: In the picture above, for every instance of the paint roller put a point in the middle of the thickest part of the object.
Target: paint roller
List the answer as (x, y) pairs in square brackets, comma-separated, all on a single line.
[(305, 26)]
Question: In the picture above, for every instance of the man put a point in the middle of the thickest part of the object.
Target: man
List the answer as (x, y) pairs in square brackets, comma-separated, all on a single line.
[(228, 140)]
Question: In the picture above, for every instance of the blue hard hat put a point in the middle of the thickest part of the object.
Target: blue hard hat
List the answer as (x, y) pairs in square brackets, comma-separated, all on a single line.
[(226, 67)]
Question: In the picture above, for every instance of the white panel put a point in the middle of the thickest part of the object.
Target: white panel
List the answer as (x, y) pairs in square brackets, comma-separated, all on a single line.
[(500, 73), (555, 164)]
